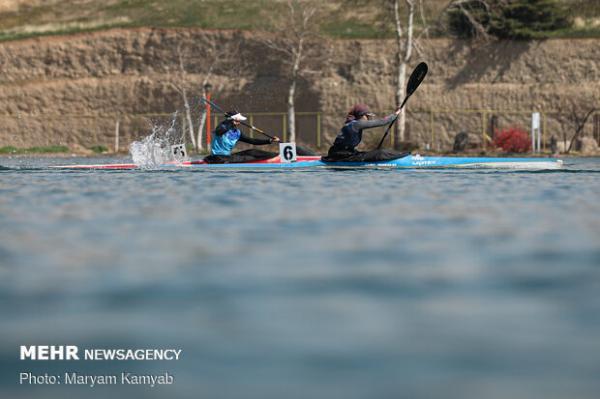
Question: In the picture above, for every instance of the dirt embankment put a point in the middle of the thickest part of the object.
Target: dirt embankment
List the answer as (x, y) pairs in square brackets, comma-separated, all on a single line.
[(72, 89)]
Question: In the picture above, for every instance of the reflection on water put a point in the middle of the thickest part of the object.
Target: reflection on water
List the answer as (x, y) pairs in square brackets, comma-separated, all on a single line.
[(346, 284)]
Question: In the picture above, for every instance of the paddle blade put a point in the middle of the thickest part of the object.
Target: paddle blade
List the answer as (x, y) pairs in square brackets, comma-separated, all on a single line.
[(416, 78)]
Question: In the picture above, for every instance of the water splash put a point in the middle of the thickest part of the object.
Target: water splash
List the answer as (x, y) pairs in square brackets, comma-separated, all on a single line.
[(155, 150)]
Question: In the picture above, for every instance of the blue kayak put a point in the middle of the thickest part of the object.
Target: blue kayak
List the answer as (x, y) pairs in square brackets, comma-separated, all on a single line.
[(418, 161), (311, 162)]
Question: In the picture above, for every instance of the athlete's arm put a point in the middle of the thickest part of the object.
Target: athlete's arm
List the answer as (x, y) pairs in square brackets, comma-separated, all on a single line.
[(221, 129), (250, 140), (362, 124)]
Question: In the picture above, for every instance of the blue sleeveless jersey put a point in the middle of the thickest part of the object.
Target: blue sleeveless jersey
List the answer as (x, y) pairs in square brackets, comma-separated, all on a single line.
[(224, 143)]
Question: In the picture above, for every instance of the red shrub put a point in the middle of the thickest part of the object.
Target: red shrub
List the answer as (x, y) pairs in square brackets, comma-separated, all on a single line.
[(513, 139)]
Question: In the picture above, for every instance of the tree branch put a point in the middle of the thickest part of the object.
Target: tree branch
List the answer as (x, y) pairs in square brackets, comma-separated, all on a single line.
[(579, 125)]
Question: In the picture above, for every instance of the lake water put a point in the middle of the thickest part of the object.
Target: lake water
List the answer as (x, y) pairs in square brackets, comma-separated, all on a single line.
[(319, 284)]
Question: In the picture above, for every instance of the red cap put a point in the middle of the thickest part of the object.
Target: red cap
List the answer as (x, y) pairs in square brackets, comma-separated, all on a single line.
[(359, 110)]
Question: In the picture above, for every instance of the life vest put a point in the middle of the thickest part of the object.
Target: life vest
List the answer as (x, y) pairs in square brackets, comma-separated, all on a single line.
[(222, 144)]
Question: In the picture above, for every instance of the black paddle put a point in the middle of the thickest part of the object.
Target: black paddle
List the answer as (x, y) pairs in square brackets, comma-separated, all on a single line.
[(416, 77), (215, 106)]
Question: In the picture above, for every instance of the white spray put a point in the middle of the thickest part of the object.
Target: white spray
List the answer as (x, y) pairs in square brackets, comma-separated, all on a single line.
[(155, 150)]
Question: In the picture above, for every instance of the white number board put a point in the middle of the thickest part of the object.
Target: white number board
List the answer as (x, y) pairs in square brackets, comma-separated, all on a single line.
[(178, 152), (287, 152)]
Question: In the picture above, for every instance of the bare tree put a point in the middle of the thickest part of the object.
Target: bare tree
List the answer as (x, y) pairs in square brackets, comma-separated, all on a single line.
[(404, 46), (212, 54), (406, 42), (407, 39), (181, 88), (218, 54), (579, 122), (296, 29)]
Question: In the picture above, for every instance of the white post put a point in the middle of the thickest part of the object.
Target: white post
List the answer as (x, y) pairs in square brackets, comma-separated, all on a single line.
[(539, 138), (535, 131), (117, 137)]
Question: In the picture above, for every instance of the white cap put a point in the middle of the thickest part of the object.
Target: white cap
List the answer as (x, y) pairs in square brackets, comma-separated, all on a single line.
[(238, 117)]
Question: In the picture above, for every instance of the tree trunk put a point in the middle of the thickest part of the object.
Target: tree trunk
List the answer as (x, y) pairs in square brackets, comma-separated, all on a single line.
[(202, 121), (201, 125), (297, 54), (400, 94), (578, 129), (188, 114), (404, 53), (291, 113)]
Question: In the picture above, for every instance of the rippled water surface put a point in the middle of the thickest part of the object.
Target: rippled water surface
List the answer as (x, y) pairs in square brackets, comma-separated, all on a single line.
[(320, 284)]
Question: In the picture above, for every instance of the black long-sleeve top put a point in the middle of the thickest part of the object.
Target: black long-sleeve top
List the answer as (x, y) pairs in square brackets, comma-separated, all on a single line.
[(351, 134)]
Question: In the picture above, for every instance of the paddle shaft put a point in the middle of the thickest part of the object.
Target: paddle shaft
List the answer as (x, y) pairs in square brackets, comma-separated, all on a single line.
[(215, 106), (391, 124), (415, 79)]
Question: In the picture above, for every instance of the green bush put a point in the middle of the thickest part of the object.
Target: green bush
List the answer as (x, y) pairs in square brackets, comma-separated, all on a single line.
[(8, 150), (529, 19), (47, 149), (50, 149), (459, 23), (513, 19), (99, 149)]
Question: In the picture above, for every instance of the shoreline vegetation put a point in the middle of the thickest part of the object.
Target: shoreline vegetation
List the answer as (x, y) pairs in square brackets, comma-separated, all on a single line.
[(36, 18), (53, 150), (50, 149)]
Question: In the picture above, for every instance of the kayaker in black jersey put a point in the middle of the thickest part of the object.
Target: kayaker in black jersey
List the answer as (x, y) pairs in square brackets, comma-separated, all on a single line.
[(344, 147), (226, 136)]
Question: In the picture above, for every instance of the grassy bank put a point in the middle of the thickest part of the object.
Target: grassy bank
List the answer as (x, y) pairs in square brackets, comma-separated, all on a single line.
[(344, 18), (52, 149)]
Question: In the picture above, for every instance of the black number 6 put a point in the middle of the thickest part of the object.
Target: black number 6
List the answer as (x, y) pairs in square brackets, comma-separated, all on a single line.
[(287, 153)]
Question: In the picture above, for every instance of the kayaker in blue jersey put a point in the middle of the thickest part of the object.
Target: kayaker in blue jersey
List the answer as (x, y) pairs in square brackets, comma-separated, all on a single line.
[(344, 147), (227, 135)]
